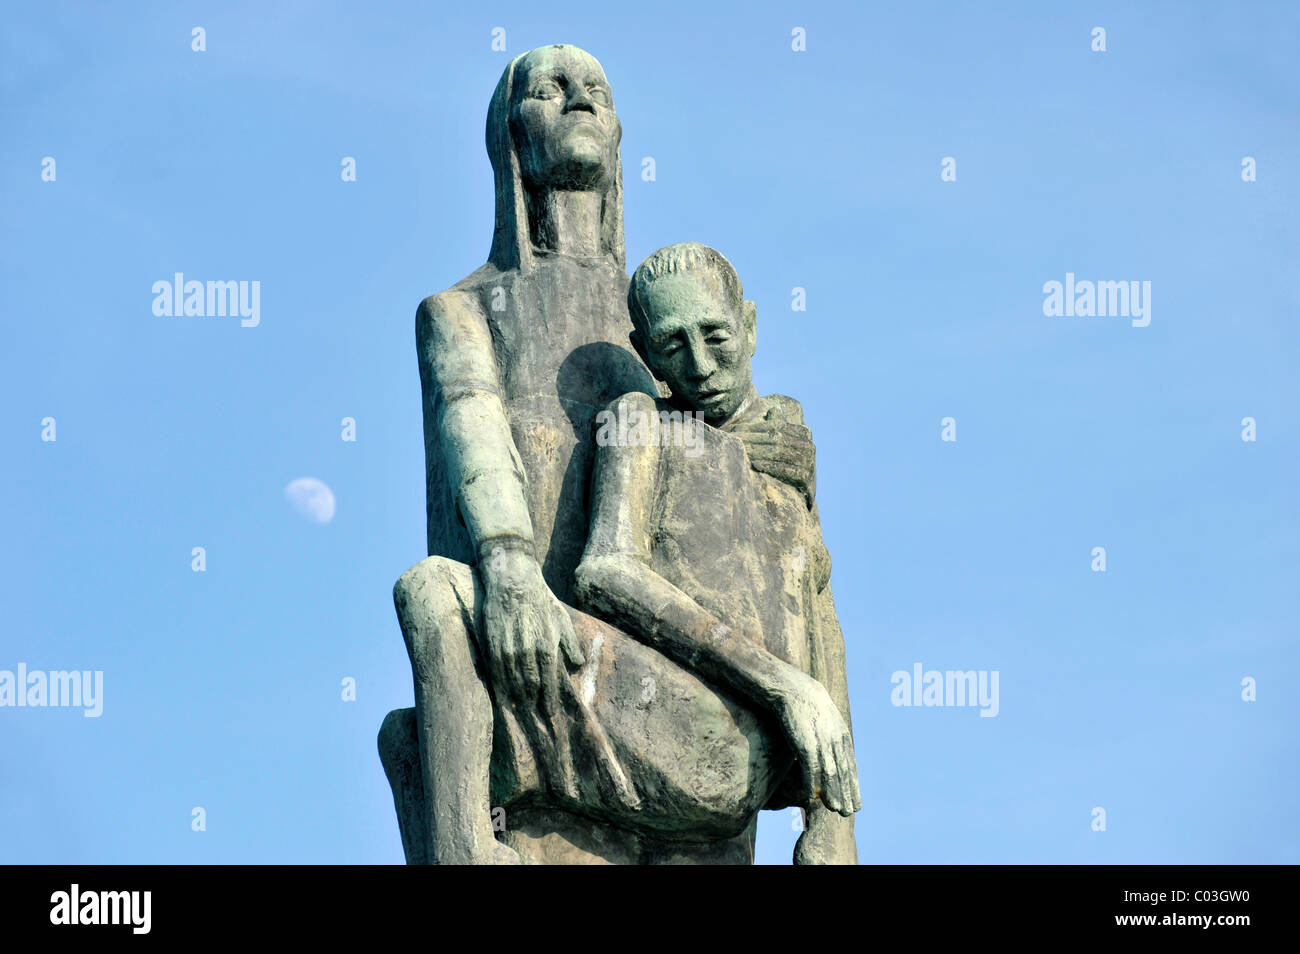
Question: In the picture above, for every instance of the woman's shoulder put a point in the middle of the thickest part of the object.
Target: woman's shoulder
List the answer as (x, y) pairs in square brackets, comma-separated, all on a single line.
[(465, 298)]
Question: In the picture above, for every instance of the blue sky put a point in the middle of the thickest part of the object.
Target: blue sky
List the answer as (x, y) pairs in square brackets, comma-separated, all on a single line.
[(817, 169)]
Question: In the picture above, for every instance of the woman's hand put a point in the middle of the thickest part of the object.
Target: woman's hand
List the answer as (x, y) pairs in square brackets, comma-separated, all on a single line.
[(525, 630), (781, 449)]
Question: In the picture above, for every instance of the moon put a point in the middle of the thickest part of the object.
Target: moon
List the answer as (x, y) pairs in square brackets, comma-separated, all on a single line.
[(312, 498)]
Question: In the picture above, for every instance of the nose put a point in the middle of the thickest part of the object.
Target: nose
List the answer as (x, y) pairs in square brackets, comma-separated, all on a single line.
[(579, 98), (701, 361)]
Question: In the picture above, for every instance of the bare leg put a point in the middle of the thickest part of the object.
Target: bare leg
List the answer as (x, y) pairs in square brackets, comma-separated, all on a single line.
[(400, 755), (827, 839), (436, 607)]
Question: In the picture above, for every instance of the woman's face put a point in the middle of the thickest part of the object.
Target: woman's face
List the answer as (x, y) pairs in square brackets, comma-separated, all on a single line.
[(563, 120)]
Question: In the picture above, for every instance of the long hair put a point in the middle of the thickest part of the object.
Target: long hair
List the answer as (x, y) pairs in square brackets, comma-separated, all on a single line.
[(511, 243)]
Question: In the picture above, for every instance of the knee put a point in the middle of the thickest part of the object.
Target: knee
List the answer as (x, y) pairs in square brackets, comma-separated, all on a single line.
[(431, 582), (428, 600), (397, 745)]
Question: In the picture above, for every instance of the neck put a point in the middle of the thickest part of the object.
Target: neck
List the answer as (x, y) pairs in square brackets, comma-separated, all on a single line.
[(567, 222)]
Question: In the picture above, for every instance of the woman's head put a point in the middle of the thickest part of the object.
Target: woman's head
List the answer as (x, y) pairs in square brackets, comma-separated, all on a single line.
[(552, 125), (562, 120)]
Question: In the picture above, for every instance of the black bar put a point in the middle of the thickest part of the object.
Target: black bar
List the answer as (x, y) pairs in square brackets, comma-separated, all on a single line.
[(376, 904)]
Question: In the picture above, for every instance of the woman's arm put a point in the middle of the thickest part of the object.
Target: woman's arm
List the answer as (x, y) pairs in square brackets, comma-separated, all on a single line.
[(525, 627)]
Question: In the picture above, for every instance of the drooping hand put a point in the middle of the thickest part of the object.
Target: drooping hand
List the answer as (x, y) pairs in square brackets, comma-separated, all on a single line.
[(528, 634), (821, 742)]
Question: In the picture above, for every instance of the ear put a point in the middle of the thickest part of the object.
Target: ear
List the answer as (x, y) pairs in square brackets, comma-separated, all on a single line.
[(638, 342), (750, 314)]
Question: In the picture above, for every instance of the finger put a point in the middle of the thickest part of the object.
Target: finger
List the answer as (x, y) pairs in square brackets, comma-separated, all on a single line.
[(569, 642), (551, 706), (845, 779), (767, 424), (526, 659), (855, 792), (815, 785), (527, 707), (491, 648), (547, 688), (788, 431), (748, 432), (811, 790), (797, 456), (774, 466), (755, 433), (844, 785), (803, 790), (765, 452), (830, 779), (780, 469), (777, 455), (760, 439), (834, 777), (767, 461), (553, 768), (502, 644), (550, 692)]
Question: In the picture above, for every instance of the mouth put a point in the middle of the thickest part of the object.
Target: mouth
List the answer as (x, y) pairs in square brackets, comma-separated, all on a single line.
[(709, 397), (585, 122)]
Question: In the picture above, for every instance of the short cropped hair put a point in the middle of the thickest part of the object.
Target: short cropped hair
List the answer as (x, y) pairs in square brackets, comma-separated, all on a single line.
[(675, 260)]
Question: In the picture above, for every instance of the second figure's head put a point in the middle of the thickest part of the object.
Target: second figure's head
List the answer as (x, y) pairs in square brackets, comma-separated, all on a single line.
[(693, 328)]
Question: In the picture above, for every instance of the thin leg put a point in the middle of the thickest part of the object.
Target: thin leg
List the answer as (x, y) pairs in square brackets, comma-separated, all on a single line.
[(436, 606)]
